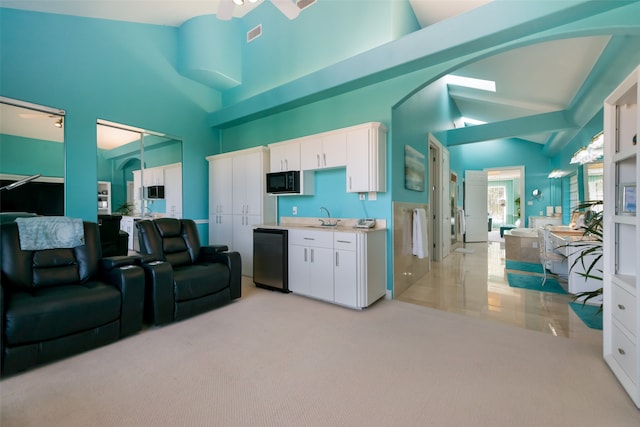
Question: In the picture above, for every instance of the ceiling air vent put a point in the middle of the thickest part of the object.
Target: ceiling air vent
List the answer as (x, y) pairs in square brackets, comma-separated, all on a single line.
[(303, 4), (254, 33)]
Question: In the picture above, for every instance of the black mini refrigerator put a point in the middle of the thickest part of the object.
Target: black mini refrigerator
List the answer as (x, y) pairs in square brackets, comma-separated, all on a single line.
[(270, 259)]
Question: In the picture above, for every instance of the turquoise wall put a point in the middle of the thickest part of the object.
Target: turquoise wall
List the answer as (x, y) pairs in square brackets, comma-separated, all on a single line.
[(117, 71), (508, 153), (291, 49), (45, 157)]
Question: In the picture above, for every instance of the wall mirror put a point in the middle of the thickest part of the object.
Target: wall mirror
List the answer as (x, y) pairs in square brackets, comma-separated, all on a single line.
[(593, 181), (31, 151), (139, 172)]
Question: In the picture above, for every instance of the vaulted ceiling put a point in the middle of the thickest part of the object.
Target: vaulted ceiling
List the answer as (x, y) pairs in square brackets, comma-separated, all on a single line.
[(540, 89)]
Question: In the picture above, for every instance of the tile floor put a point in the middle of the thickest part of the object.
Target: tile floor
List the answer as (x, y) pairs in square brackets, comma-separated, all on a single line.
[(475, 284)]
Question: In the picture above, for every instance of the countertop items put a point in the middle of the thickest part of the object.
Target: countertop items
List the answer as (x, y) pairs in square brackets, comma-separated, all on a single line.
[(346, 225)]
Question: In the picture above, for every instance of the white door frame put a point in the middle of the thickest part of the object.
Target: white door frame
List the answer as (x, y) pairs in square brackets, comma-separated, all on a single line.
[(438, 194), (523, 199)]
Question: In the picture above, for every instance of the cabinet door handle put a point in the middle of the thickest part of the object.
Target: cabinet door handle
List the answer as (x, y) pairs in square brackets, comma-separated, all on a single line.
[(324, 158), (343, 241), (312, 255), (305, 254), (349, 183), (286, 164), (337, 259), (318, 159), (309, 238), (622, 307)]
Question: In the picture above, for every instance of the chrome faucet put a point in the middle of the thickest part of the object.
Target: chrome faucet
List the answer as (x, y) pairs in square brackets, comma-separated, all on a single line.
[(328, 223)]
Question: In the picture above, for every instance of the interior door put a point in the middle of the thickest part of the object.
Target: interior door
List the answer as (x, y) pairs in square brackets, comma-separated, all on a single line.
[(475, 206), (445, 205)]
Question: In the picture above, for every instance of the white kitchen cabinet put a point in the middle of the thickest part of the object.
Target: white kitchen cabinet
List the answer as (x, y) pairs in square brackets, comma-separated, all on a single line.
[(153, 176), (242, 239), (137, 186), (238, 200), (311, 263), (284, 156), (324, 151), (343, 267), (247, 172), (366, 158), (104, 198), (621, 237), (173, 190)]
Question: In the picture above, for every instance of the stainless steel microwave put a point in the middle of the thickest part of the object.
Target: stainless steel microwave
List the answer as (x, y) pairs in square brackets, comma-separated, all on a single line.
[(155, 192), (287, 182)]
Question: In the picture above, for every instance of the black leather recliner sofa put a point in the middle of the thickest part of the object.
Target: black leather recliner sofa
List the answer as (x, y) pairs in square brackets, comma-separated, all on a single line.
[(58, 302), (183, 277), (114, 241)]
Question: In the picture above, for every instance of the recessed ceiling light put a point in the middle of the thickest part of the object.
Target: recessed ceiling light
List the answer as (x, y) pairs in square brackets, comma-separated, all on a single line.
[(488, 85)]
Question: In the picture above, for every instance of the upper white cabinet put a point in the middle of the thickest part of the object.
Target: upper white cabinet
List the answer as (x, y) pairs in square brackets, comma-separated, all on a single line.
[(327, 150), (366, 158), (361, 149), (284, 156), (238, 200), (621, 238), (153, 176)]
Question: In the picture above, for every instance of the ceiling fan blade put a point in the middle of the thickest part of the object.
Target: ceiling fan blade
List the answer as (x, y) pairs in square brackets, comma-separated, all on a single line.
[(225, 10), (288, 7)]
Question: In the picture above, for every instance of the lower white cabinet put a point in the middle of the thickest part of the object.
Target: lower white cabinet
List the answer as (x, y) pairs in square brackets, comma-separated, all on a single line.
[(343, 267), (310, 263)]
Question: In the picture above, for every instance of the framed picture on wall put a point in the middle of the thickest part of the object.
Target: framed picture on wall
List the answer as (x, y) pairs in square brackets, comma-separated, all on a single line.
[(413, 169), (628, 199)]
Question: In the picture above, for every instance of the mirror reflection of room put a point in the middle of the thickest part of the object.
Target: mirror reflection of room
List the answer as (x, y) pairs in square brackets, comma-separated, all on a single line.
[(139, 175), (31, 159)]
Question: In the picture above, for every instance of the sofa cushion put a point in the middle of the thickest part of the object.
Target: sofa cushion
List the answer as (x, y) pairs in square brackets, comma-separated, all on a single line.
[(50, 313), (198, 280)]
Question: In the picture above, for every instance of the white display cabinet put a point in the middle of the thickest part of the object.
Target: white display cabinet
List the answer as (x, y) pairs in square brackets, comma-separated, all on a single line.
[(621, 303)]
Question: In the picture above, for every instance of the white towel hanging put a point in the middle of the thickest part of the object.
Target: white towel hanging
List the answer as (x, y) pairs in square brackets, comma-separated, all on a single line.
[(420, 245)]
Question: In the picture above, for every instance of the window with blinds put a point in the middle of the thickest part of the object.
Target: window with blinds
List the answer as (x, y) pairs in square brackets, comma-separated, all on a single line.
[(573, 192)]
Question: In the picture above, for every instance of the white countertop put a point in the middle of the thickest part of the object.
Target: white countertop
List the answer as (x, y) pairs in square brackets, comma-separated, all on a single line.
[(307, 223)]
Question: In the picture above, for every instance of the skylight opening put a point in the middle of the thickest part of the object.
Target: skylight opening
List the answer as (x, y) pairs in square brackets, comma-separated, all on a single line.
[(488, 85), (469, 122)]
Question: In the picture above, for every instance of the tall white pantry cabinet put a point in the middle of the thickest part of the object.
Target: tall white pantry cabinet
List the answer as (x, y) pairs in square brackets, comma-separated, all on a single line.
[(621, 238), (238, 200)]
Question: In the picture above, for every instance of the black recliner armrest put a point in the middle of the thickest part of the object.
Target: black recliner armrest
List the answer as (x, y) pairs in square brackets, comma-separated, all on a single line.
[(211, 250), (234, 262), (130, 280), (159, 296), (108, 263)]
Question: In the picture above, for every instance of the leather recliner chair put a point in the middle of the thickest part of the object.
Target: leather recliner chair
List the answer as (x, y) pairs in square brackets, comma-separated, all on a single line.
[(183, 277), (113, 240), (59, 302)]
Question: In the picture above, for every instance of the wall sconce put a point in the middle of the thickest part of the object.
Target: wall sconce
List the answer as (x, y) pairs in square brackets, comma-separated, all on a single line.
[(536, 193), (592, 152), (58, 123)]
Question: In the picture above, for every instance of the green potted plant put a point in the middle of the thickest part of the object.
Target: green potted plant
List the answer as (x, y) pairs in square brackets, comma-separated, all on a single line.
[(591, 250), (125, 209)]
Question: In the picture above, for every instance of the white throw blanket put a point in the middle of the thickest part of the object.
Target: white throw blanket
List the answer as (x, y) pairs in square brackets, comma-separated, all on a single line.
[(420, 241), (50, 232)]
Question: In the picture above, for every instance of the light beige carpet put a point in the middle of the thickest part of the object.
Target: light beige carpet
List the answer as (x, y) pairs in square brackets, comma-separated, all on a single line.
[(284, 360)]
